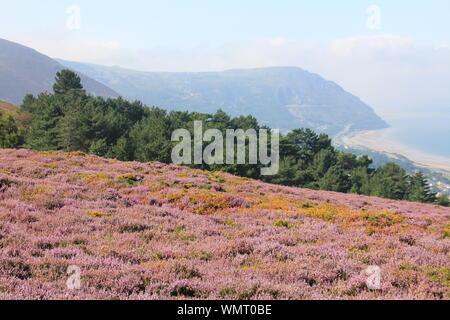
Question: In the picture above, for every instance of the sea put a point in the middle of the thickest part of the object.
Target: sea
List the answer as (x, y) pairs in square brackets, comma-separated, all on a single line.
[(427, 132)]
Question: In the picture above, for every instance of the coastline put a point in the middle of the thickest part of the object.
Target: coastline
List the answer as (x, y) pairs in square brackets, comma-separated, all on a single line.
[(378, 140)]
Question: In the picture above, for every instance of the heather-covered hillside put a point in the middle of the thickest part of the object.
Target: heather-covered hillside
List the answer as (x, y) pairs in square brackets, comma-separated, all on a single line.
[(7, 108), (149, 230)]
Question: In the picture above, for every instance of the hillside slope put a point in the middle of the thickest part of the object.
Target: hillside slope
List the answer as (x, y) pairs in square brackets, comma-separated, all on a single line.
[(7, 108), (24, 70), (149, 230), (281, 97)]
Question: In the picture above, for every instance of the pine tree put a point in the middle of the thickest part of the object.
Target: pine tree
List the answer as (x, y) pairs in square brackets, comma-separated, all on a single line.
[(335, 180), (322, 162), (304, 144), (389, 182), (150, 138), (9, 132), (443, 201), (99, 147), (66, 80), (360, 180), (122, 150), (75, 127), (73, 131), (42, 134), (419, 189)]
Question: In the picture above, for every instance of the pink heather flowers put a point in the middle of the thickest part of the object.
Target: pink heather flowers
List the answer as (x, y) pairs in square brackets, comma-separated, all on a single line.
[(154, 231)]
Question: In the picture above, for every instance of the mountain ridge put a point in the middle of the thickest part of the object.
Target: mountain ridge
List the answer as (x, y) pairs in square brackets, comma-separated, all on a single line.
[(24, 70), (281, 97)]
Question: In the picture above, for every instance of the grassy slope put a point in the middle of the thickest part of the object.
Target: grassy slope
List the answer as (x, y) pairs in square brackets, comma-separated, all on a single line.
[(7, 108), (150, 230)]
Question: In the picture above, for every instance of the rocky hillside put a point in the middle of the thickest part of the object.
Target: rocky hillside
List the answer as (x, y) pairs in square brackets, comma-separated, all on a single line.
[(281, 97), (149, 230), (24, 70)]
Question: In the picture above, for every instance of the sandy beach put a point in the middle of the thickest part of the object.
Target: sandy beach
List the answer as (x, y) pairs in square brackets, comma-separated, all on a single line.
[(378, 140)]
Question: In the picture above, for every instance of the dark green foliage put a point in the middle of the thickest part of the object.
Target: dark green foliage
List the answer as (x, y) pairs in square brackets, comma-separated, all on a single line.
[(74, 127), (71, 120), (46, 113), (304, 144), (335, 179), (389, 181), (361, 180), (10, 136), (419, 189), (443, 201), (66, 80), (28, 103), (291, 173), (151, 137)]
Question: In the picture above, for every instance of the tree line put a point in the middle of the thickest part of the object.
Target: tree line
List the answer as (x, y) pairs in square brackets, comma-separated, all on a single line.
[(71, 120)]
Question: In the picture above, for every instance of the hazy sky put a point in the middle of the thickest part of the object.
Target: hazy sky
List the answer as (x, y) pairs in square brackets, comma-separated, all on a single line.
[(394, 54)]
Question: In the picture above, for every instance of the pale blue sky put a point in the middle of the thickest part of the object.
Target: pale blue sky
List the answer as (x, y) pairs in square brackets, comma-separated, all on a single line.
[(144, 23), (403, 65)]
